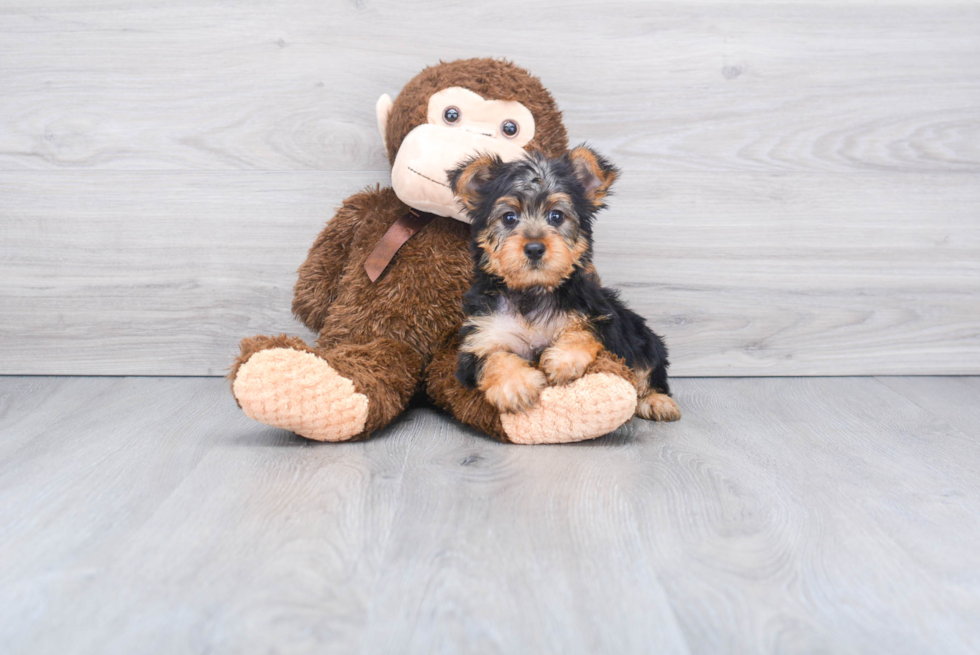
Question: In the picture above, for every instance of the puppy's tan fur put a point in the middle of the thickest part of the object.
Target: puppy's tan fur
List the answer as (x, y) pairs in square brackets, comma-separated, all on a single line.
[(510, 383), (571, 354)]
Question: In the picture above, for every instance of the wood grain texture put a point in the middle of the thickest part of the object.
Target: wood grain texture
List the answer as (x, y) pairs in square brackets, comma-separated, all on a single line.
[(955, 398), (801, 515), (800, 192), (163, 273), (675, 86)]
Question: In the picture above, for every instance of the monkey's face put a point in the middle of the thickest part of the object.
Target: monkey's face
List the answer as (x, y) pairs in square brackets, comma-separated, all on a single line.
[(532, 218), (459, 124)]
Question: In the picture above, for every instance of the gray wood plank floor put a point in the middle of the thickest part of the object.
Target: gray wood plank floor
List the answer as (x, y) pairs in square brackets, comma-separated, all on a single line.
[(781, 515)]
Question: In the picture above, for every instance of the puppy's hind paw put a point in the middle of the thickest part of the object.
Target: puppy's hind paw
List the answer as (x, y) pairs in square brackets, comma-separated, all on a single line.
[(658, 407)]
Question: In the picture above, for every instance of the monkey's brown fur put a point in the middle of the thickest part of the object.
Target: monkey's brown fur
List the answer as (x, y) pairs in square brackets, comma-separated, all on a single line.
[(378, 334), (397, 335)]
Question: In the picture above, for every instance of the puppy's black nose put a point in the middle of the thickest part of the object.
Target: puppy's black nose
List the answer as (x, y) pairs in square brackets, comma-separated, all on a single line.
[(534, 250)]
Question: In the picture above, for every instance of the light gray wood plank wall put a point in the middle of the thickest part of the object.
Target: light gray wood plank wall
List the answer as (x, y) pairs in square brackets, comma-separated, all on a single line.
[(801, 190)]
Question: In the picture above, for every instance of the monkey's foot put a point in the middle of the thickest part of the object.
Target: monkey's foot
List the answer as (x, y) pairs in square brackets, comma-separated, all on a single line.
[(298, 391), (658, 407), (591, 406)]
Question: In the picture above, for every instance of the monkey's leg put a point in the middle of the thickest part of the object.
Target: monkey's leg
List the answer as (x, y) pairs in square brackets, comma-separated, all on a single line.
[(340, 393), (597, 403)]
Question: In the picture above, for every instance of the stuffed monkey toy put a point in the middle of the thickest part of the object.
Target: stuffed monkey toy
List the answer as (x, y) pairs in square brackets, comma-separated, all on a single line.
[(382, 285)]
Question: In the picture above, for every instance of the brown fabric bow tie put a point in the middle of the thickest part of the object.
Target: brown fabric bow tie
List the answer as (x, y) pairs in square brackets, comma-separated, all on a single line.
[(396, 236)]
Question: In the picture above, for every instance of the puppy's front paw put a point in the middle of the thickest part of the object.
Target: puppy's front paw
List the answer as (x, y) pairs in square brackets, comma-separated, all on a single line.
[(510, 384), (564, 365), (518, 393)]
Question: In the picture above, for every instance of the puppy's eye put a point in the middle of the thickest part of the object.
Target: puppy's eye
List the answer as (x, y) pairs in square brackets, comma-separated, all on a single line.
[(510, 128), (556, 217), (451, 115), (509, 219)]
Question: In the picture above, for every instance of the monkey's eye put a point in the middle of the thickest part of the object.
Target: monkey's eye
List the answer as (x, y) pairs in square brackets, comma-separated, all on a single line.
[(556, 217), (510, 128), (509, 219), (451, 115)]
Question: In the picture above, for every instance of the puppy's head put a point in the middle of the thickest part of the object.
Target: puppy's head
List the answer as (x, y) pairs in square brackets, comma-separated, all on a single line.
[(532, 218)]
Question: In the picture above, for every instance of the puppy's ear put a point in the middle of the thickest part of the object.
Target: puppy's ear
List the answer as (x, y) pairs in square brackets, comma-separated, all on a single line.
[(595, 173), (469, 180)]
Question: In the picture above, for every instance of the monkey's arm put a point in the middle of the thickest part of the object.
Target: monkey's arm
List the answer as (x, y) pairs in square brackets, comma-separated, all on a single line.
[(319, 275)]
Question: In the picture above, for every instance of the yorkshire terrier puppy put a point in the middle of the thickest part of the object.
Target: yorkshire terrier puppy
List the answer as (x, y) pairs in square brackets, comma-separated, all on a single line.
[(537, 313)]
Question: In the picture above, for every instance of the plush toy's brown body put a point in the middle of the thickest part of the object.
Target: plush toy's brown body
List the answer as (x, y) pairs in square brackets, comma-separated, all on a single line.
[(382, 341)]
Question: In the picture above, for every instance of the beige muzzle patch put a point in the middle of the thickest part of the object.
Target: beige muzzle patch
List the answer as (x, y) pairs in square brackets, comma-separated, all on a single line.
[(418, 175)]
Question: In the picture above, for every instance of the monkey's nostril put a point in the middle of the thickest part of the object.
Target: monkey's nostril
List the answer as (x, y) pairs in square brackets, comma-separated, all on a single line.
[(534, 250)]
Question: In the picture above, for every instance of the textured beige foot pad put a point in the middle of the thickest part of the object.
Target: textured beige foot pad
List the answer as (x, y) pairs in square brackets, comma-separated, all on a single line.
[(594, 405), (298, 391)]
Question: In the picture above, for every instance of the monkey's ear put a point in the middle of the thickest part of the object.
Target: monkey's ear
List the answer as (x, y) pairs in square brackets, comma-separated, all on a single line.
[(594, 172), (469, 180), (383, 109)]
